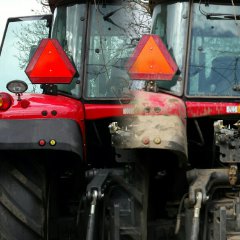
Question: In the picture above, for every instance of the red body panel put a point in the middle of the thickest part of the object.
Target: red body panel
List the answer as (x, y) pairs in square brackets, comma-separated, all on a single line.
[(147, 103), (39, 106), (32, 106), (158, 116), (150, 103), (203, 109), (97, 111)]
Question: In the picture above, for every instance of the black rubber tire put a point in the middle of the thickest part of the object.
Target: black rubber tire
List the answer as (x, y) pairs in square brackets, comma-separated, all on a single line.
[(22, 200)]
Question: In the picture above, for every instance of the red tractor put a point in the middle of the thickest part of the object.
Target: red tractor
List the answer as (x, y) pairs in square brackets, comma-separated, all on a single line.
[(111, 134)]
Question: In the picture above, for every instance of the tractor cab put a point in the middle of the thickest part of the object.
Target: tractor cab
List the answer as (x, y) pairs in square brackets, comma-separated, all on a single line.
[(98, 38), (203, 38), (99, 46)]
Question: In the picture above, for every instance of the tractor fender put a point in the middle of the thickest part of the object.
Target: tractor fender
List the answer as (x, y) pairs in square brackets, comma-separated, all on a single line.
[(157, 132), (36, 134), (158, 122)]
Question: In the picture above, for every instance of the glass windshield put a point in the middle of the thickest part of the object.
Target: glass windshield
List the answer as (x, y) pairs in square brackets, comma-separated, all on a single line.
[(214, 67), (114, 32), (68, 24), (170, 23), (22, 38)]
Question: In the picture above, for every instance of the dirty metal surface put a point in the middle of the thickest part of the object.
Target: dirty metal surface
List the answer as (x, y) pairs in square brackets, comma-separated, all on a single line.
[(158, 122), (164, 132)]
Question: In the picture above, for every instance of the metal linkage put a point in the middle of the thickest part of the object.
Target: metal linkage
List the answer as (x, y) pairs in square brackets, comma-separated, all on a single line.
[(201, 183), (233, 174), (228, 141), (98, 183), (196, 216), (95, 191), (202, 180), (224, 220), (91, 219)]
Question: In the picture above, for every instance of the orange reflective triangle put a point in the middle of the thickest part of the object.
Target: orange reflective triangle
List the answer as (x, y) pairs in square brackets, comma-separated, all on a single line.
[(151, 60), (50, 64)]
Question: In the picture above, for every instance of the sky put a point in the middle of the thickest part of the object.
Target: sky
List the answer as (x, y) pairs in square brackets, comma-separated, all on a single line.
[(16, 8)]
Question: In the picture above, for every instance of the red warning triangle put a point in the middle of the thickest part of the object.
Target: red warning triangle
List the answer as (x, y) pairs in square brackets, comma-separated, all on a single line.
[(151, 60), (50, 64)]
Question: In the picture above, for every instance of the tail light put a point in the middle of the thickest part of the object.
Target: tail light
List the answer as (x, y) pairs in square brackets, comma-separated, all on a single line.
[(5, 101)]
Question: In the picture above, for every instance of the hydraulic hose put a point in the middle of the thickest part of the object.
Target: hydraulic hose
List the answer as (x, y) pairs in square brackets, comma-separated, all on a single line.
[(178, 222)]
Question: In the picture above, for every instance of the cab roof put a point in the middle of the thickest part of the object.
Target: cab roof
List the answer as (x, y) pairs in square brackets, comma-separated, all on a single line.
[(54, 3)]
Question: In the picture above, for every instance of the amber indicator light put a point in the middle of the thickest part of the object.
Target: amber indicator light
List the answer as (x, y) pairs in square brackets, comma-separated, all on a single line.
[(52, 142), (151, 60)]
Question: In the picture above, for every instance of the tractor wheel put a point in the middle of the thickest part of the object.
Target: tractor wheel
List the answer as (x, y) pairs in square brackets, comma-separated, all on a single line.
[(126, 207), (22, 200)]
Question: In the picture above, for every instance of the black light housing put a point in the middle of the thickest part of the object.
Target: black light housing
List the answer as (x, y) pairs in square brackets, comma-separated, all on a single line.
[(17, 86)]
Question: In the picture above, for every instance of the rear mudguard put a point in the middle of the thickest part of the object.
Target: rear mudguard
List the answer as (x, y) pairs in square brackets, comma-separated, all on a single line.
[(40, 121), (159, 122), (36, 134), (159, 132)]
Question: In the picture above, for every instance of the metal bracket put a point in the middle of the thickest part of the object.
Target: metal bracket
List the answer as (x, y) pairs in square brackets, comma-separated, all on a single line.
[(201, 180), (95, 191), (91, 219), (98, 183)]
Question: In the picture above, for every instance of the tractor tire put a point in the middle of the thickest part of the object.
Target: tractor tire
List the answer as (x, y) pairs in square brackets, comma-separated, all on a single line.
[(22, 200)]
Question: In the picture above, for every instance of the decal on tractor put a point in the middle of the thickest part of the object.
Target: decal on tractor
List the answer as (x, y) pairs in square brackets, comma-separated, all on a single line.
[(232, 109)]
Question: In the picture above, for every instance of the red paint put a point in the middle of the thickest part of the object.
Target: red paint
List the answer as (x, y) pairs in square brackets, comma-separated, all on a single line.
[(24, 103), (98, 111), (50, 64), (32, 106), (149, 103), (37, 103), (145, 103), (203, 109), (65, 107)]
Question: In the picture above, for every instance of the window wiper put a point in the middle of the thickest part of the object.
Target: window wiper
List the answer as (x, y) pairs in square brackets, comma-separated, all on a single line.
[(108, 15), (222, 16)]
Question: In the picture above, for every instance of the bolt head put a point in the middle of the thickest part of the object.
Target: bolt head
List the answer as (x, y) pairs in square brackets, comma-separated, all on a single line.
[(157, 140), (145, 140)]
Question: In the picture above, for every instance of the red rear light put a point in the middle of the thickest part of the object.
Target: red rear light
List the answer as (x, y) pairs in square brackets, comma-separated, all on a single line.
[(5, 101), (50, 64)]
